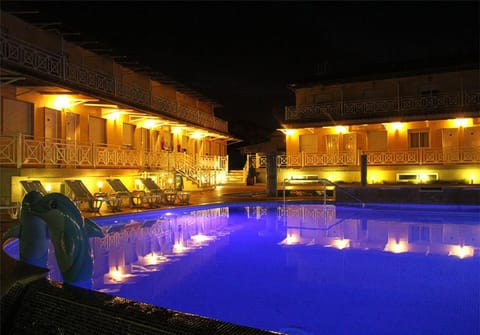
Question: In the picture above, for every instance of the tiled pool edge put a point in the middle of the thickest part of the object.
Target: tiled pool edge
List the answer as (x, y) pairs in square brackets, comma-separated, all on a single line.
[(43, 306)]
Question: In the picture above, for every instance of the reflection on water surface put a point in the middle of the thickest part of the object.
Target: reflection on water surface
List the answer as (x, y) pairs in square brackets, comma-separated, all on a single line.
[(312, 269)]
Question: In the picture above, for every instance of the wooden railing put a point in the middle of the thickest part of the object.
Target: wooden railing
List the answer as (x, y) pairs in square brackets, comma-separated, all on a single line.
[(384, 107), (398, 157), (20, 151)]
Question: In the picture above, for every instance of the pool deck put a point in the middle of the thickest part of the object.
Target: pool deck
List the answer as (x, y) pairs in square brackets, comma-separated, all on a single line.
[(22, 284)]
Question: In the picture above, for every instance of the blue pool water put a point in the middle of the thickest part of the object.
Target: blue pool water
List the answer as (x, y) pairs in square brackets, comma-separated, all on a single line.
[(300, 268)]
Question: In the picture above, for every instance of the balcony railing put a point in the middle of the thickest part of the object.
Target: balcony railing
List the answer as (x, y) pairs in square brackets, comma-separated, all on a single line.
[(34, 60), (387, 107), (23, 152), (376, 158)]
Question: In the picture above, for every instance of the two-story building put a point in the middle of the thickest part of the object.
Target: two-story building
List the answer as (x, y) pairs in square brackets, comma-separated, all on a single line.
[(418, 127), (68, 112)]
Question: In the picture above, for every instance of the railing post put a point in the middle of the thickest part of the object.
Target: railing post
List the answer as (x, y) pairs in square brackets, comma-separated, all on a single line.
[(19, 150), (324, 192), (94, 155)]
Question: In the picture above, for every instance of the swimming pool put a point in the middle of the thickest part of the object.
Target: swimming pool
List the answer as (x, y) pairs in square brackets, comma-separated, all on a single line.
[(299, 268)]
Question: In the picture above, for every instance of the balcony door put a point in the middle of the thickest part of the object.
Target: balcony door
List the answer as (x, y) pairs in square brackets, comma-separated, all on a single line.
[(471, 137), (450, 144), (71, 128), (377, 141), (52, 118), (52, 152), (332, 143)]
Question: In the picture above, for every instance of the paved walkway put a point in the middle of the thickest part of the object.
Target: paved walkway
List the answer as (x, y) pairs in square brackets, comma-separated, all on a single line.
[(221, 194)]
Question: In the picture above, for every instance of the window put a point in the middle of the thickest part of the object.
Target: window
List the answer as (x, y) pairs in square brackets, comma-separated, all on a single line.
[(16, 117), (418, 139), (418, 233), (308, 143)]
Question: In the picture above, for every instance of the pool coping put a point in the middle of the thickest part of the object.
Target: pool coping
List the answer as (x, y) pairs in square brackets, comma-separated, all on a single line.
[(42, 306)]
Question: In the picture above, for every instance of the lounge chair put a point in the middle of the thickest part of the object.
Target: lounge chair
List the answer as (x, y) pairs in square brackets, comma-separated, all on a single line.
[(33, 185), (79, 193), (151, 186), (171, 195), (137, 198), (154, 190)]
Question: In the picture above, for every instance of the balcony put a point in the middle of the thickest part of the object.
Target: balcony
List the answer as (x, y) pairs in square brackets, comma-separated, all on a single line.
[(30, 59), (23, 152), (377, 158), (405, 107)]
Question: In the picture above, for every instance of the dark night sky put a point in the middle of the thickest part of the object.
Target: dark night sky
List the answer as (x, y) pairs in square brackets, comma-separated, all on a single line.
[(243, 54)]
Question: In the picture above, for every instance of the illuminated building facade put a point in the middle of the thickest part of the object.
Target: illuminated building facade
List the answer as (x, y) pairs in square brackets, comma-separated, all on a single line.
[(421, 127), (68, 112)]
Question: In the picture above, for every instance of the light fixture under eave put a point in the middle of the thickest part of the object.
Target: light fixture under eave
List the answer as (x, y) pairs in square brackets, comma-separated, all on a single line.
[(64, 101), (287, 131), (114, 114), (101, 105), (462, 122)]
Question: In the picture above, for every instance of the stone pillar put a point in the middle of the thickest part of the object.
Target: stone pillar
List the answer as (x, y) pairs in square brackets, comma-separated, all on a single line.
[(272, 174)]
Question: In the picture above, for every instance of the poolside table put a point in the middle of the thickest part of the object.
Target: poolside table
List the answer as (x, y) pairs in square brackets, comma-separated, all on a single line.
[(170, 196)]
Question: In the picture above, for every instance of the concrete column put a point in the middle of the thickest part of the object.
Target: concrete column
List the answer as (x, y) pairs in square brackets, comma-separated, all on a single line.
[(271, 174), (363, 169)]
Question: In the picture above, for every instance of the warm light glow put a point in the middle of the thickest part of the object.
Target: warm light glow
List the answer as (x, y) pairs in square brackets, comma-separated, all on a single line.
[(100, 105), (201, 238), (48, 188), (114, 115), (116, 275), (290, 239), (61, 102), (179, 248), (176, 130), (287, 131), (196, 135), (396, 125), (341, 243), (137, 183), (340, 129), (170, 181), (423, 177), (149, 124), (152, 259), (461, 251), (374, 179), (99, 184), (396, 246), (472, 178), (462, 122)]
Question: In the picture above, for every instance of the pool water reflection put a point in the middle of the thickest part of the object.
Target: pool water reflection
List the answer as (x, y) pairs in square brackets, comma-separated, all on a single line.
[(300, 268)]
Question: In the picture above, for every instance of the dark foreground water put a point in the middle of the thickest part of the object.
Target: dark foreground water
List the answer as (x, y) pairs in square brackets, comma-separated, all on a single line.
[(300, 268)]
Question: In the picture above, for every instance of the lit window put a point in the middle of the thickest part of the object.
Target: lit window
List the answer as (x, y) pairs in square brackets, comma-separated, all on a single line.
[(418, 139)]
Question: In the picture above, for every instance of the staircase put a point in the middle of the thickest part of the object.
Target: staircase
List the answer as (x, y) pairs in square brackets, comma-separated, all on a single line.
[(235, 177)]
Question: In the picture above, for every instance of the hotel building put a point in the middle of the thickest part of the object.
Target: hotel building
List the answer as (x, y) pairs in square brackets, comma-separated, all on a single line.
[(407, 128), (67, 112)]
